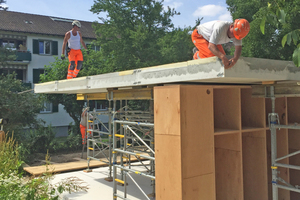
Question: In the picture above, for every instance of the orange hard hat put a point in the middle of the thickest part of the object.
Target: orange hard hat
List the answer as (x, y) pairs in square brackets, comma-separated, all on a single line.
[(241, 28)]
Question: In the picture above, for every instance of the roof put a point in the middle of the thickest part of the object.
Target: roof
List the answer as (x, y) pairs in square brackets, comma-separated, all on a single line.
[(39, 24), (208, 70)]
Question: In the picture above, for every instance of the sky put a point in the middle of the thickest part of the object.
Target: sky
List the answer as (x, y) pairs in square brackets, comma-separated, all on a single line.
[(79, 9)]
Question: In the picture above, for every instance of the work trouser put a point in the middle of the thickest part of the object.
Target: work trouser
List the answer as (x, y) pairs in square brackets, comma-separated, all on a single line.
[(202, 46), (76, 60), (83, 133)]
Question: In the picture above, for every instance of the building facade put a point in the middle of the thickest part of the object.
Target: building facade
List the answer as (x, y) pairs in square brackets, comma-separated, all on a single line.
[(37, 39)]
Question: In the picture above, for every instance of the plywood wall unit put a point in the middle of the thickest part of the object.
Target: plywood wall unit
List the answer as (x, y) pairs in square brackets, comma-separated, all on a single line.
[(293, 105), (228, 156), (253, 110), (192, 142), (255, 165), (213, 143), (226, 109)]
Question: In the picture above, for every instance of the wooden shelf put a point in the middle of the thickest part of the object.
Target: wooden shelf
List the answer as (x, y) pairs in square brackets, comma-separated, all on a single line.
[(251, 129), (227, 108), (221, 131)]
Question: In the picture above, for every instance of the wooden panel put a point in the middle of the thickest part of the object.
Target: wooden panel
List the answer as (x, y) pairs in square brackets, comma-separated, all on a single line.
[(199, 188), (282, 150), (229, 182), (167, 110), (255, 165), (227, 108), (168, 167), (294, 145), (229, 141), (196, 130), (253, 110), (293, 104)]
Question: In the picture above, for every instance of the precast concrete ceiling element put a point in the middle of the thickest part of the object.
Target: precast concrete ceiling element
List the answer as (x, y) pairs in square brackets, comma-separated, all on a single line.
[(209, 70)]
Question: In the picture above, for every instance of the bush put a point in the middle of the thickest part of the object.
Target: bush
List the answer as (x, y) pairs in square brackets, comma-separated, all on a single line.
[(13, 185)]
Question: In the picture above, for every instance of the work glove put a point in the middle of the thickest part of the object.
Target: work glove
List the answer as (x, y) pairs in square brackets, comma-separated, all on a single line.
[(88, 52), (62, 56)]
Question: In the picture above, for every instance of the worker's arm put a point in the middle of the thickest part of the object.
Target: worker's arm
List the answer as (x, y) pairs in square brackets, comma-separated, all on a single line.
[(67, 37), (237, 54), (214, 49), (81, 40)]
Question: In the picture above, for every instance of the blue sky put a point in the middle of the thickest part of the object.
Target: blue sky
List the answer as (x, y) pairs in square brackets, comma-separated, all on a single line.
[(79, 9)]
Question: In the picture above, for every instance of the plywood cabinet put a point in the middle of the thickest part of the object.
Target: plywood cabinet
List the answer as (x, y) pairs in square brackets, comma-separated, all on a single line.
[(212, 143)]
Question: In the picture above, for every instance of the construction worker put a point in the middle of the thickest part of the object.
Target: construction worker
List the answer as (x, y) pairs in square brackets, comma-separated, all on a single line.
[(83, 123), (209, 37), (74, 39)]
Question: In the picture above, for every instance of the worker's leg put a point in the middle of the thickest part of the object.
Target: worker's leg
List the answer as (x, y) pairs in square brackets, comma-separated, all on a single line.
[(79, 59), (202, 46), (71, 65), (83, 133)]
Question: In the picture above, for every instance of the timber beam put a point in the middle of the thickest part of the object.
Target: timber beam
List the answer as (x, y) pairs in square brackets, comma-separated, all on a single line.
[(121, 94), (280, 90)]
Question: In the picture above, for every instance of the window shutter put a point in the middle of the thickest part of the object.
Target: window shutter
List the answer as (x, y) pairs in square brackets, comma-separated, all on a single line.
[(35, 47), (54, 48), (54, 107), (36, 75)]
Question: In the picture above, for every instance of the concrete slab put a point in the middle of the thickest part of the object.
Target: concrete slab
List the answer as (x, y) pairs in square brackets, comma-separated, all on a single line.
[(209, 70), (99, 189)]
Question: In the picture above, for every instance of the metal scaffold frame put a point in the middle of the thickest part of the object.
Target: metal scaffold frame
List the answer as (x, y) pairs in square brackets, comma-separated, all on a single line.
[(274, 124), (133, 130)]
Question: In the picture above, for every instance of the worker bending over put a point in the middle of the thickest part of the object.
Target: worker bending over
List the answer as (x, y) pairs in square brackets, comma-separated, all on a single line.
[(74, 39), (209, 37)]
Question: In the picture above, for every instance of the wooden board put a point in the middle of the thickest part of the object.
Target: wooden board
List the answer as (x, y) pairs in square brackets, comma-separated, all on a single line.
[(167, 110), (255, 174), (253, 110), (227, 108), (199, 187), (229, 180), (168, 167), (70, 166), (197, 140)]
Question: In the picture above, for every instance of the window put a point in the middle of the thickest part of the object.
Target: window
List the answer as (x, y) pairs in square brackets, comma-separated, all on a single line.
[(36, 75), (48, 107), (98, 105), (93, 47), (45, 47)]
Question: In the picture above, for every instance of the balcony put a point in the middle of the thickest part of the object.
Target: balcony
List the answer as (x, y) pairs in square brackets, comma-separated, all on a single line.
[(23, 56)]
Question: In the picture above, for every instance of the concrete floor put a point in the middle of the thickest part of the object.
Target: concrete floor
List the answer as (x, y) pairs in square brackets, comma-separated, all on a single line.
[(99, 189)]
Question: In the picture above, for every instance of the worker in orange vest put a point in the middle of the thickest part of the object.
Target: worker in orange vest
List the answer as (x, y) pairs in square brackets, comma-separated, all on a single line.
[(74, 39), (209, 37)]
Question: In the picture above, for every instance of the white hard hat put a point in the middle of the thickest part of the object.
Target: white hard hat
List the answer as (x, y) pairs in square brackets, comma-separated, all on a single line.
[(77, 23)]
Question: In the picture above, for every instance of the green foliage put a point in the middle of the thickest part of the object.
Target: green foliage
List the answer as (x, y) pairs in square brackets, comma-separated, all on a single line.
[(9, 156), (42, 139), (284, 16), (13, 185), (20, 108), (135, 34), (138, 34), (6, 55)]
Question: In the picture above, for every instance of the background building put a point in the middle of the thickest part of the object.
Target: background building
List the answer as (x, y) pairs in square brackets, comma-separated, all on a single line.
[(37, 40)]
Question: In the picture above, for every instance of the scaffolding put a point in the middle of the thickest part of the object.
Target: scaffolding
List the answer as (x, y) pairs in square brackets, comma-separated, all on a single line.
[(130, 136), (273, 92)]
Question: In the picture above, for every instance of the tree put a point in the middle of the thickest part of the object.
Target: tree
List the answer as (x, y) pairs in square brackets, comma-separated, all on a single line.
[(17, 106), (269, 44), (3, 7), (277, 15), (133, 33)]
